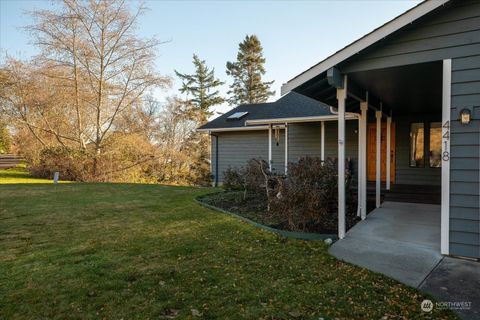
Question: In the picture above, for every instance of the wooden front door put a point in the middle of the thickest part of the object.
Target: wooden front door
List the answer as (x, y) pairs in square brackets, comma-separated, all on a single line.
[(372, 160)]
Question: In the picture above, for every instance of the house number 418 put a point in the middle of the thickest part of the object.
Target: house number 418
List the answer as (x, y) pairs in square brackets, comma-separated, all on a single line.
[(446, 137)]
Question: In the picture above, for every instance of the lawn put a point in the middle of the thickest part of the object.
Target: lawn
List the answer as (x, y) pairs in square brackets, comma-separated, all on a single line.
[(126, 251), (19, 175)]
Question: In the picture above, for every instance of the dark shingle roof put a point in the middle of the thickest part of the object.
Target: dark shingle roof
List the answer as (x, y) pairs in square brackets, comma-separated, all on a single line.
[(292, 105)]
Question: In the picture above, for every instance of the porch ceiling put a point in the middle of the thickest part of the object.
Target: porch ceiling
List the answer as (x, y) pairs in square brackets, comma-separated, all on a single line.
[(415, 88), (408, 89)]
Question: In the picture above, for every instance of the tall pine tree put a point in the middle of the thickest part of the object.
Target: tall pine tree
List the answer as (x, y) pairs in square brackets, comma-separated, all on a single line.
[(200, 89), (247, 72)]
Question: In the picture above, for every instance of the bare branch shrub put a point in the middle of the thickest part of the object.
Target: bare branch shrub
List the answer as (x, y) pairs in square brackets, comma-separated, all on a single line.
[(308, 196)]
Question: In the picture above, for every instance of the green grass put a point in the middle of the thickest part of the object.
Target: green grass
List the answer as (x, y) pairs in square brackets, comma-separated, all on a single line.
[(125, 251), (20, 175)]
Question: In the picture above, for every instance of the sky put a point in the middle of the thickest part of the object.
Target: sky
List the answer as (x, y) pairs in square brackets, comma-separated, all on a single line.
[(294, 34)]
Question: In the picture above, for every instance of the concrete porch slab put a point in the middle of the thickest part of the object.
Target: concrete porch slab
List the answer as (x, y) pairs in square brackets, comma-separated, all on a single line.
[(400, 240)]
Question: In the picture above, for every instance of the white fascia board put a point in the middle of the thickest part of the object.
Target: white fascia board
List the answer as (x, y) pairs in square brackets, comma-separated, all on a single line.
[(364, 42), (348, 116), (233, 129)]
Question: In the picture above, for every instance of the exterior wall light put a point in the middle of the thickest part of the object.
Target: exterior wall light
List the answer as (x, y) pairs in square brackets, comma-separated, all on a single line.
[(465, 116)]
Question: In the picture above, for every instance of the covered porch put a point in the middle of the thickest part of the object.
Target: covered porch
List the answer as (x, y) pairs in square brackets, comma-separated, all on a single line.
[(402, 116)]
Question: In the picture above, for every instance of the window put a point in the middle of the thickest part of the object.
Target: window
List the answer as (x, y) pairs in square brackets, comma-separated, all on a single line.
[(237, 115), (435, 153), (417, 145)]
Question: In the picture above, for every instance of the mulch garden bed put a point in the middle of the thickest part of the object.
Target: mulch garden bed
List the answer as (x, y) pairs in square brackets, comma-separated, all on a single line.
[(254, 207)]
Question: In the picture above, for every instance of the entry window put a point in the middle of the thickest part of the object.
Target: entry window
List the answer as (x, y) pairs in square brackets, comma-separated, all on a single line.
[(435, 153), (417, 145)]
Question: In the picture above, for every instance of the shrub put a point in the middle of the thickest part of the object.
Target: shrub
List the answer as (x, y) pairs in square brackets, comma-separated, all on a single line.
[(70, 163), (233, 179), (251, 178), (255, 175), (308, 196)]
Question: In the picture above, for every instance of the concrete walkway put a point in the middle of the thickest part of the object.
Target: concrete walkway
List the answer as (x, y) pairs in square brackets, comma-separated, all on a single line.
[(400, 240), (457, 282)]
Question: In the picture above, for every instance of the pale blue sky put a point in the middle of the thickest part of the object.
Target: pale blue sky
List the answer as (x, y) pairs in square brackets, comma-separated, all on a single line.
[(295, 34)]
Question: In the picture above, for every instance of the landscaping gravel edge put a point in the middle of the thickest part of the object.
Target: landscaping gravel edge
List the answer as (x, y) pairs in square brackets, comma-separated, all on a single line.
[(283, 233)]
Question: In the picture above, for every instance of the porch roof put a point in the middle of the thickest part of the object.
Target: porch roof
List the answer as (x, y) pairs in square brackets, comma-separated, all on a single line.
[(401, 89), (319, 70), (291, 106)]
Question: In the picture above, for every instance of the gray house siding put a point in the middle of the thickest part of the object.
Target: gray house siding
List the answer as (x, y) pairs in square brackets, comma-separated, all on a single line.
[(236, 148), (465, 159), (305, 140), (452, 33)]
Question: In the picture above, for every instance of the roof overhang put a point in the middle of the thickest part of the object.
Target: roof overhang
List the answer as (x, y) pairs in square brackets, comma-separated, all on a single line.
[(348, 116), (362, 43)]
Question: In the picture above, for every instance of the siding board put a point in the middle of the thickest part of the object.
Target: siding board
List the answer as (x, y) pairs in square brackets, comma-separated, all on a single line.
[(465, 139), (462, 237), (466, 63), (464, 250), (465, 225), (464, 213)]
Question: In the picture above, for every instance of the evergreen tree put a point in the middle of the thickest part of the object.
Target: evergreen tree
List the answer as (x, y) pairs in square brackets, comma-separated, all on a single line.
[(200, 89), (247, 72)]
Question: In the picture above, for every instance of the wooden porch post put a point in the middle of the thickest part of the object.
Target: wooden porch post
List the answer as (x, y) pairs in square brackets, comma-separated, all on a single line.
[(341, 97), (378, 115), (388, 152), (363, 168)]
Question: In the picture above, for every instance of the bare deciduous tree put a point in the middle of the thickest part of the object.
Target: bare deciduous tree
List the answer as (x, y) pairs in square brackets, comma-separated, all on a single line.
[(95, 63)]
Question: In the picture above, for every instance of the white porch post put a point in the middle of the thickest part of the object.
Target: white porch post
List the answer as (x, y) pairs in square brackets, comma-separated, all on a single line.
[(322, 140), (270, 147), (286, 148), (388, 152), (341, 97), (445, 208), (363, 168), (359, 170), (378, 115)]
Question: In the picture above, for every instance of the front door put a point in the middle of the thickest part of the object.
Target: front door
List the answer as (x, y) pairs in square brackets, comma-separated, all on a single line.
[(372, 160)]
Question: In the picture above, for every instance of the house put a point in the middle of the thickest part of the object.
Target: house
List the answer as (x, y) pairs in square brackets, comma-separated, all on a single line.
[(403, 102)]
